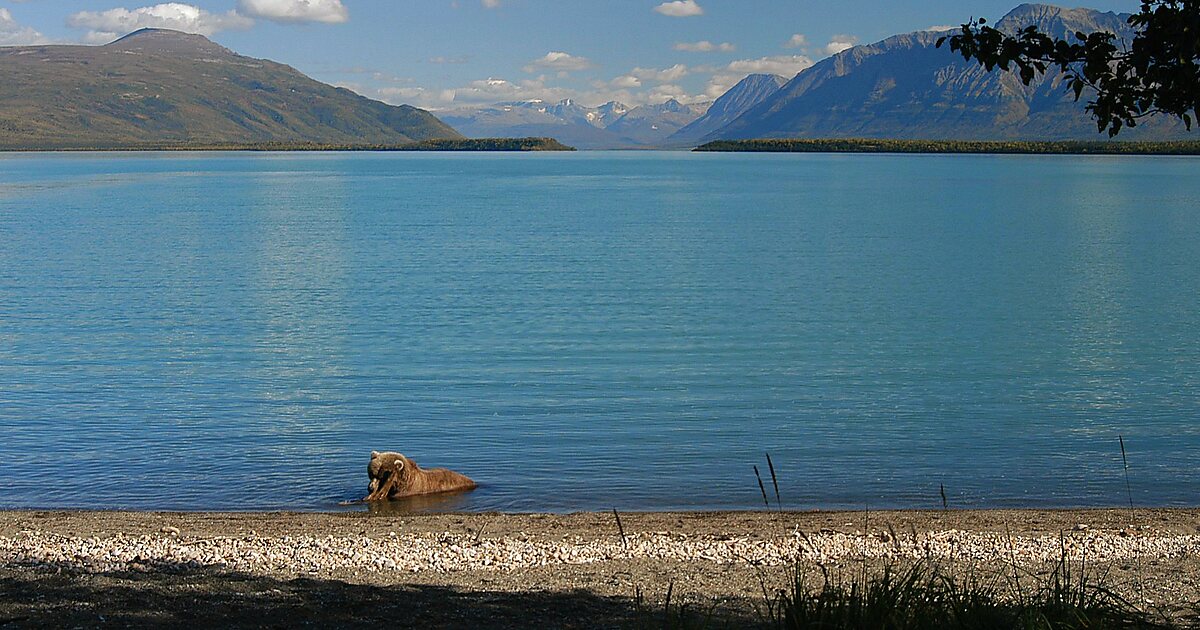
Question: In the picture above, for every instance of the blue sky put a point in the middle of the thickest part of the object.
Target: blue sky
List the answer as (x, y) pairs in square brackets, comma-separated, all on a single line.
[(444, 54)]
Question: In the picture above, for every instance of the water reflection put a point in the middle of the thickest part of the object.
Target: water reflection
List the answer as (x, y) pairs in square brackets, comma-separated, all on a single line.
[(449, 502), (299, 320)]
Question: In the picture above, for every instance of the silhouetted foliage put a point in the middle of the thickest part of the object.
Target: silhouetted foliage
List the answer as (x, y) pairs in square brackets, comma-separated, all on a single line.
[(1156, 73)]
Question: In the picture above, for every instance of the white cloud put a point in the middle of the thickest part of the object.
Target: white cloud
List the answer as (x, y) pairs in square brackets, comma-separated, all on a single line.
[(491, 4), (490, 89), (680, 8), (705, 46), (412, 95), (441, 60), (625, 82), (100, 38), (493, 90), (785, 65), (107, 25), (797, 40), (838, 43), (938, 28), (719, 84), (674, 73), (560, 61), (664, 93), (13, 34), (325, 11), (402, 92)]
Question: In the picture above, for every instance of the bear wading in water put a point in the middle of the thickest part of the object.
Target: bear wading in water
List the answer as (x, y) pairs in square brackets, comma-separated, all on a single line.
[(394, 476)]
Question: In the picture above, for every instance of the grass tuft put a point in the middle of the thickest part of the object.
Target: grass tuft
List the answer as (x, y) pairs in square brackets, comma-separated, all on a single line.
[(925, 597)]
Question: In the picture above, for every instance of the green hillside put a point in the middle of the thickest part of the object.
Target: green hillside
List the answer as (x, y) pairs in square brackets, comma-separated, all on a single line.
[(159, 87)]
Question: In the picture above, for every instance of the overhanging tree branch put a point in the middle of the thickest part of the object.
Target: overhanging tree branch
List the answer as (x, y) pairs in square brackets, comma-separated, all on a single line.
[(1157, 73)]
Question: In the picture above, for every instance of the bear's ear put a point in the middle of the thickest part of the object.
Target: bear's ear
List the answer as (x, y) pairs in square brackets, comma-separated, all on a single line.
[(374, 454)]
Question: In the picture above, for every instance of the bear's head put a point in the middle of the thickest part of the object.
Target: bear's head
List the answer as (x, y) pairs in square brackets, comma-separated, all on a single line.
[(381, 466)]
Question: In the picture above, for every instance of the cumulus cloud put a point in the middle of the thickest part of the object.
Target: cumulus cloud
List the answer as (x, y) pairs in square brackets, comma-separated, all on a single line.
[(785, 65), (838, 43), (105, 26), (560, 61), (680, 8), (705, 46), (13, 34), (722, 78), (402, 92), (442, 60), (674, 73), (664, 93), (494, 90), (325, 11), (720, 83), (410, 95), (625, 82), (489, 90), (625, 89), (797, 40)]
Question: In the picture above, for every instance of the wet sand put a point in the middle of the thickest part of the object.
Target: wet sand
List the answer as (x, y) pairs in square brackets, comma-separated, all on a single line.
[(84, 569)]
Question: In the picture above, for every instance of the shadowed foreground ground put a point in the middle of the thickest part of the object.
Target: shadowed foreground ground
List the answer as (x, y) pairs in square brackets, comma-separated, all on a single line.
[(221, 600)]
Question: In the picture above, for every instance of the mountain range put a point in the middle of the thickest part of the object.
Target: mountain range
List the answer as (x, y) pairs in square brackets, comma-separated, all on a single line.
[(609, 126), (156, 87), (905, 87), (742, 97), (161, 87)]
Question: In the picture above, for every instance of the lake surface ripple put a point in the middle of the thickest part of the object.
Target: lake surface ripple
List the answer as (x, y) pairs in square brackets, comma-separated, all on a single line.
[(599, 330)]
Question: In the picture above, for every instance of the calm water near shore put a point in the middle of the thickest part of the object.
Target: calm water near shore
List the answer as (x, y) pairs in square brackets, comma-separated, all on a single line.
[(596, 330)]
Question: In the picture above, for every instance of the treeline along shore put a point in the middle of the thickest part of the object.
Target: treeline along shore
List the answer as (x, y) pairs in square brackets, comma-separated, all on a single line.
[(865, 145), (441, 144)]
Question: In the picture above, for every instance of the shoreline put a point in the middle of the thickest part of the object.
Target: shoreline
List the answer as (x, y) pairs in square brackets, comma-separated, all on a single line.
[(539, 567), (987, 517)]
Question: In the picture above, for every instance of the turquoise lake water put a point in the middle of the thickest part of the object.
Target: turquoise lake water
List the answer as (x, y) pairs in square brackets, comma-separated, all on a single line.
[(597, 330)]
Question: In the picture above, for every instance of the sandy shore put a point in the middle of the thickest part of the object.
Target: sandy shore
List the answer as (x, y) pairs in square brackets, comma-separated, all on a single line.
[(465, 570)]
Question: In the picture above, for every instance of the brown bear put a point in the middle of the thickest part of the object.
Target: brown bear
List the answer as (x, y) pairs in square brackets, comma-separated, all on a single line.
[(394, 476)]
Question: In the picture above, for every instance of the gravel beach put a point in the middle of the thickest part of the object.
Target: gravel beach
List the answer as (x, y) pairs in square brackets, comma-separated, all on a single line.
[(83, 569)]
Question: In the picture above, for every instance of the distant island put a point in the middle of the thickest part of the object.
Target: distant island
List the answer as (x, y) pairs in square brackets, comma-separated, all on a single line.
[(438, 144), (483, 144), (859, 145)]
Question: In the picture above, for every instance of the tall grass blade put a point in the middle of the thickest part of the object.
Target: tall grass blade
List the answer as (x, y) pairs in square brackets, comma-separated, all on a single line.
[(667, 605), (621, 529), (1125, 461), (774, 482), (762, 488)]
